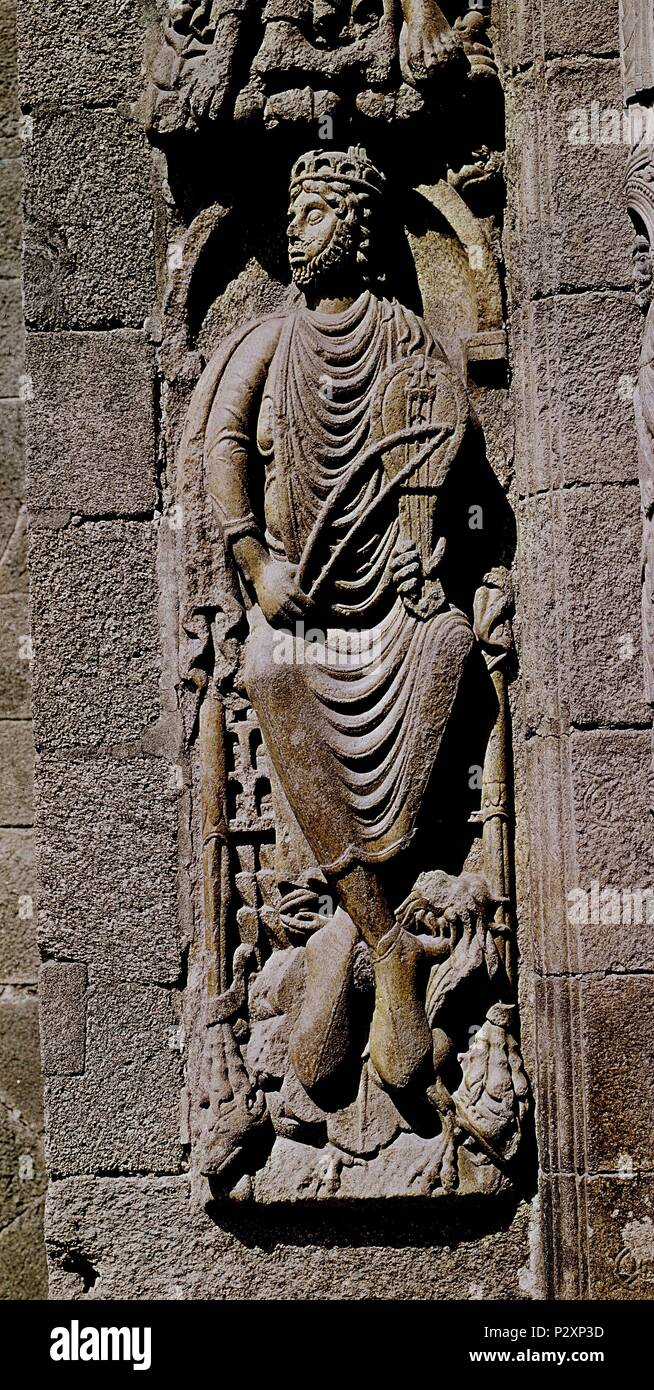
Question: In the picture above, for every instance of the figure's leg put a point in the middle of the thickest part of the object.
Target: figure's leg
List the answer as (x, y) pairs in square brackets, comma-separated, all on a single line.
[(320, 1043), (321, 1039), (400, 1036), (362, 894), (299, 738)]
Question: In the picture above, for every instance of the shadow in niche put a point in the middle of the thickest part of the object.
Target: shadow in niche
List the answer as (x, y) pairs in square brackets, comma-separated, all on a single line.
[(254, 228), (208, 166), (396, 1222), (235, 241)]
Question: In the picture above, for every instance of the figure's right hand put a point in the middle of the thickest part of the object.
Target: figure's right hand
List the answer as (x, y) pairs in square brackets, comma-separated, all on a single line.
[(279, 595)]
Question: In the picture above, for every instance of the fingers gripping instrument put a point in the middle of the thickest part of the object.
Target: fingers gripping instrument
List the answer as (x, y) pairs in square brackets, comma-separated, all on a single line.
[(417, 423)]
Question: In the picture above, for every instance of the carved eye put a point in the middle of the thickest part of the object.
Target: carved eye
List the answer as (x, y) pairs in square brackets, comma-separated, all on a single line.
[(314, 217)]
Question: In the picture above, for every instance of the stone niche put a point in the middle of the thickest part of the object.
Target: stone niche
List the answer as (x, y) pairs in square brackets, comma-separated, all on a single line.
[(330, 703), (343, 554)]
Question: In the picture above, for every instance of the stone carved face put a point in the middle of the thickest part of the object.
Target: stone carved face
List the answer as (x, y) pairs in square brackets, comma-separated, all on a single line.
[(323, 233), (311, 227), (643, 271)]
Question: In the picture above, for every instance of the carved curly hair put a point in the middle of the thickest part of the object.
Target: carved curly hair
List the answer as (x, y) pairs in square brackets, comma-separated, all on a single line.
[(356, 210)]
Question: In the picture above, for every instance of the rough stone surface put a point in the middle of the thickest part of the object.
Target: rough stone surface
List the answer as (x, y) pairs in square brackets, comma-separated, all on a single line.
[(21, 1083), (574, 394), (93, 54), (91, 423), (11, 321), (538, 622), (108, 865), (123, 1113), (23, 1269), (88, 253), (22, 1175), (18, 906), (541, 29), (611, 772), (16, 759), (12, 447), (94, 594), (579, 629), (13, 565), (62, 989), (116, 1238), (604, 653), (618, 1018), (15, 656), (8, 76), (616, 1262), (10, 196), (621, 1218), (558, 189)]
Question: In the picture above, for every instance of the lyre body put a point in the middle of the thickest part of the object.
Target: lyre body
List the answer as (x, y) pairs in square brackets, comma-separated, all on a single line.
[(415, 393)]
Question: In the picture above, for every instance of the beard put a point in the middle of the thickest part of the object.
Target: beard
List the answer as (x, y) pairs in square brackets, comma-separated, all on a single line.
[(644, 290), (339, 255)]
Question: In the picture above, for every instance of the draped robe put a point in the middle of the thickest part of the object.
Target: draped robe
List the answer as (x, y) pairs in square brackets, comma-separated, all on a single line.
[(354, 727)]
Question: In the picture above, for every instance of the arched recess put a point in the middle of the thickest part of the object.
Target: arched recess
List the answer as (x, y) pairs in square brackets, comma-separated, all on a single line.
[(215, 273), (472, 277)]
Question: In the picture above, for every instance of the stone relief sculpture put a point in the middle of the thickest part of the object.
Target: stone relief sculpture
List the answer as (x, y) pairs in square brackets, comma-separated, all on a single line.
[(345, 595), (348, 632), (640, 195), (302, 59), (637, 43)]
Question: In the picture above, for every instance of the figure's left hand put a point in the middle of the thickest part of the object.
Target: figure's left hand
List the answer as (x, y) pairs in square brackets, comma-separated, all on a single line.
[(406, 569)]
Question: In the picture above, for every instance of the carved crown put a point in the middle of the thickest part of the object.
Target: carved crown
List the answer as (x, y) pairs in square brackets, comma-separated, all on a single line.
[(640, 187), (327, 166)]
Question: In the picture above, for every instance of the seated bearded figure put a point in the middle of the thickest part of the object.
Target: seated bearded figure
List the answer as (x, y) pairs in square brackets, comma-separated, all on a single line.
[(331, 435)]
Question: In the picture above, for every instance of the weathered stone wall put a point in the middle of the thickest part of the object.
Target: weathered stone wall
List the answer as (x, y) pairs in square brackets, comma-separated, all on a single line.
[(107, 804), (576, 333), (112, 794), (112, 789), (22, 1173)]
